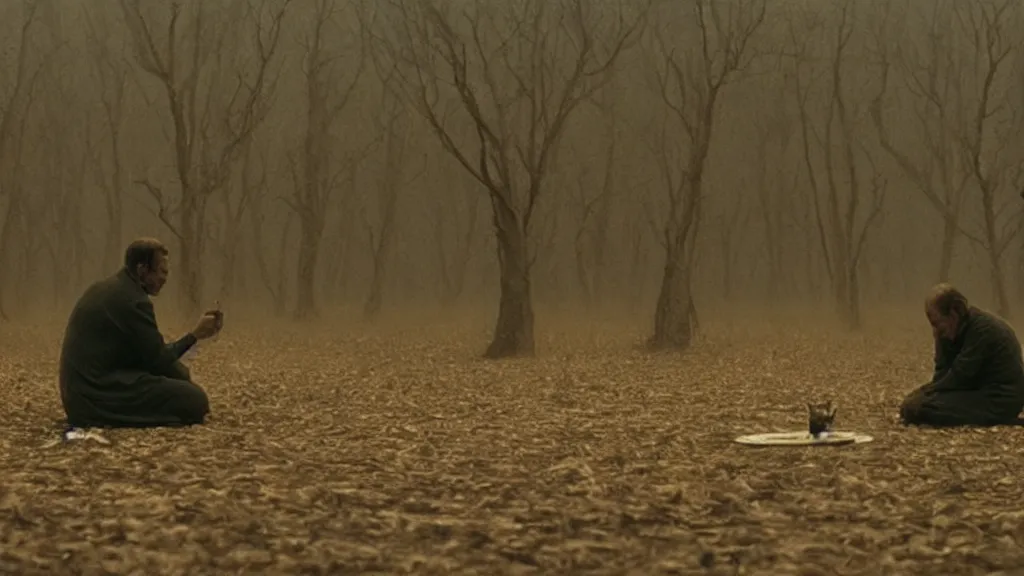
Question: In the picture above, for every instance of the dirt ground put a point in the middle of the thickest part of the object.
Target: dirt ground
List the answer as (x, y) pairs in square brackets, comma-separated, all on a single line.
[(380, 452)]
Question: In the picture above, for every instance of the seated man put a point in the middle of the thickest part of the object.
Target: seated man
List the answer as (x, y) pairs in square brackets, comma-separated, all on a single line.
[(979, 375), (115, 368)]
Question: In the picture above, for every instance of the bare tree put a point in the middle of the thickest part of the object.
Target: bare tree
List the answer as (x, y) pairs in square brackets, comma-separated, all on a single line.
[(329, 88), (639, 256), (16, 101), (731, 224), (456, 219), (847, 188), (990, 139), (224, 230), (775, 188), (56, 206), (393, 125), (215, 94), (272, 272), (932, 159), (518, 72), (339, 245), (594, 205), (692, 71), (110, 68), (591, 239)]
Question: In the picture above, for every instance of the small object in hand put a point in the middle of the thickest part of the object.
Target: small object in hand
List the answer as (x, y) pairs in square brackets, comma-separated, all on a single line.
[(820, 418), (217, 313)]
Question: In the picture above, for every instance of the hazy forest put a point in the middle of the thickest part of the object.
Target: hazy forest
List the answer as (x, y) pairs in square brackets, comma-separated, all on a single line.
[(380, 192), (311, 154)]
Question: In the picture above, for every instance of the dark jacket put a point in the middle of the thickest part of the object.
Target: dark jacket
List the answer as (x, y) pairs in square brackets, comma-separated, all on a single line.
[(111, 344), (985, 356)]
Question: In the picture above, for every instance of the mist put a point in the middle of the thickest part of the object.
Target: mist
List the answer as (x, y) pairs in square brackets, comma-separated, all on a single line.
[(665, 161)]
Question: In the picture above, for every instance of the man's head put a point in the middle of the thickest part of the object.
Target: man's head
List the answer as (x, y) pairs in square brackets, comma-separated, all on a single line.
[(946, 309), (146, 259)]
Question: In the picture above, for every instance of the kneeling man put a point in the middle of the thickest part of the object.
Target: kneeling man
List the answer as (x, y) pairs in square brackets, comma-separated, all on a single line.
[(115, 368), (979, 374)]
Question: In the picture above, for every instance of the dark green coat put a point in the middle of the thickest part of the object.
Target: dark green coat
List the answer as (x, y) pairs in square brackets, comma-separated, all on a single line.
[(984, 356), (978, 378), (115, 368)]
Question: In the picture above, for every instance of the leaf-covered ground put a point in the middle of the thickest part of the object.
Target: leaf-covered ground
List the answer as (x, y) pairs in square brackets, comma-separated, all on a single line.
[(382, 452)]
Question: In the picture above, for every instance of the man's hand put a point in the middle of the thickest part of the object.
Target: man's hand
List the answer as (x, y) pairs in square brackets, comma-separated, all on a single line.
[(218, 315), (207, 326)]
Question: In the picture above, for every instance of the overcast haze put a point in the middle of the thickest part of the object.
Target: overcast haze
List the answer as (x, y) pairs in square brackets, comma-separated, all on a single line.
[(329, 154)]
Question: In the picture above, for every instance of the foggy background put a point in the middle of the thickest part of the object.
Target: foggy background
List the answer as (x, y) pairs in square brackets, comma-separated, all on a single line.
[(856, 151)]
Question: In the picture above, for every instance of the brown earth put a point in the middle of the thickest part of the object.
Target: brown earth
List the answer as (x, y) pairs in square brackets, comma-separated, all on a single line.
[(379, 453)]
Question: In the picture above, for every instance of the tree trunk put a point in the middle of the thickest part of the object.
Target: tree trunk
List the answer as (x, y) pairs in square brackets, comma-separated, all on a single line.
[(6, 235), (771, 246), (513, 333), (949, 232), (850, 295), (309, 249), (727, 260), (227, 282), (115, 207), (280, 292), (189, 260), (599, 287), (582, 271), (375, 298), (999, 287), (637, 270), (997, 275), (673, 328)]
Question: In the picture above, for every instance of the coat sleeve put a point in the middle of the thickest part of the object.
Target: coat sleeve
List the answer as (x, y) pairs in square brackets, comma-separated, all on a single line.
[(968, 364), (150, 348), (181, 345)]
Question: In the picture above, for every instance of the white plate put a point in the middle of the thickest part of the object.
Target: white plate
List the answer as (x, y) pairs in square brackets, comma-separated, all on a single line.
[(803, 439)]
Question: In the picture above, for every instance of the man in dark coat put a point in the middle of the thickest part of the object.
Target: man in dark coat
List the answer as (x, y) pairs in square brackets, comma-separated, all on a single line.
[(115, 368), (979, 374)]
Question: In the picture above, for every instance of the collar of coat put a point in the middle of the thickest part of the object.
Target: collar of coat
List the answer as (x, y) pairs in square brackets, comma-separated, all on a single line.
[(965, 324), (127, 276)]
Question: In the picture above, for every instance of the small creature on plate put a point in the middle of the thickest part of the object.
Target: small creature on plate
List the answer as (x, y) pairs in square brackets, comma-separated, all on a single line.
[(820, 418)]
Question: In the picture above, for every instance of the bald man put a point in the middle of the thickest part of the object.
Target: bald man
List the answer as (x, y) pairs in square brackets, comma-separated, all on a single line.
[(979, 373)]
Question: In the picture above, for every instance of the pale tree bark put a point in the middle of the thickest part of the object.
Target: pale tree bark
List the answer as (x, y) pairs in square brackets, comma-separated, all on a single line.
[(321, 167), (216, 95), (110, 70), (847, 189), (518, 72), (931, 159), (692, 72), (990, 139)]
